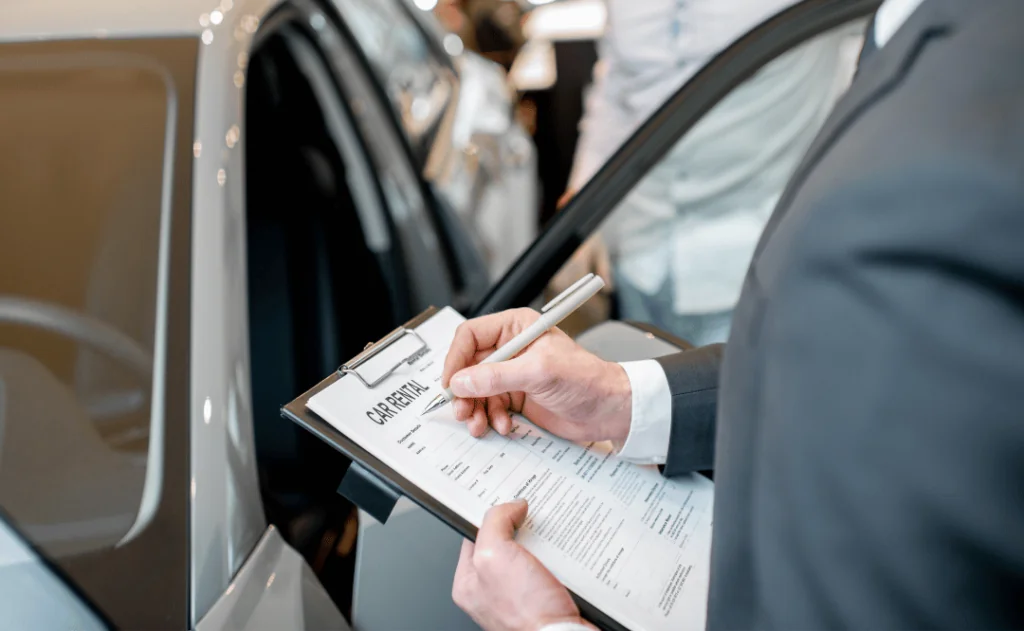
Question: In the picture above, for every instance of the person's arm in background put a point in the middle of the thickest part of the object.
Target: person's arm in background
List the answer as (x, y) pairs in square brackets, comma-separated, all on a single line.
[(602, 129), (603, 126)]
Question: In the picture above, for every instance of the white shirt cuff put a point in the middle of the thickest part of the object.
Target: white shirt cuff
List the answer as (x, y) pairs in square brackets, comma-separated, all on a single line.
[(566, 626), (651, 425)]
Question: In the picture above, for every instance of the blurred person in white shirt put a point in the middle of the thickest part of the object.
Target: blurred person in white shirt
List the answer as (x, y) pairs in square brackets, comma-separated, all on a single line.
[(680, 243)]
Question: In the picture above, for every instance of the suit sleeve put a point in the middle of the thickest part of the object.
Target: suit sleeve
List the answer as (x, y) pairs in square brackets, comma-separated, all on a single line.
[(888, 457), (693, 383)]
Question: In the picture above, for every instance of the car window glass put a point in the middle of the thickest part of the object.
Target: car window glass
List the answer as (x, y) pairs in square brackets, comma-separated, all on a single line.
[(677, 247), (416, 80), (81, 183)]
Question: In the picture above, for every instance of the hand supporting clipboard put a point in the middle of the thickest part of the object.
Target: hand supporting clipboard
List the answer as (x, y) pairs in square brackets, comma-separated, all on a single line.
[(370, 483)]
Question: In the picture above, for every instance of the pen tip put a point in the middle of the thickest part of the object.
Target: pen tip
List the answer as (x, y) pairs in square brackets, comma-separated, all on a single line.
[(437, 402)]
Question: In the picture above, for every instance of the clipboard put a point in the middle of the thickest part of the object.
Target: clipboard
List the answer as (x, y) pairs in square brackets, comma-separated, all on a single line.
[(372, 485)]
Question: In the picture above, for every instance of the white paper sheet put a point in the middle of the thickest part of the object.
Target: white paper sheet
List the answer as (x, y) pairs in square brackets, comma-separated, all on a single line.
[(623, 537)]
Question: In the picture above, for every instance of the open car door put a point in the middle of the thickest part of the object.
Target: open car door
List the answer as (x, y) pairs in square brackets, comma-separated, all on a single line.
[(803, 57), (797, 38)]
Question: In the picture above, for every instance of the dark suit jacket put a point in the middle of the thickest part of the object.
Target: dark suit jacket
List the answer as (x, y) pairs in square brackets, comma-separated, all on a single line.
[(869, 448)]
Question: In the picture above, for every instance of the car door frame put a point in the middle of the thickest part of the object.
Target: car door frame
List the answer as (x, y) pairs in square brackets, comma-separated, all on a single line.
[(459, 260), (527, 277)]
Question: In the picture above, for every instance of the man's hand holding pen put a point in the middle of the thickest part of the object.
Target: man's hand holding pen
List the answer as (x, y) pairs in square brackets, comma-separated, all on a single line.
[(564, 389)]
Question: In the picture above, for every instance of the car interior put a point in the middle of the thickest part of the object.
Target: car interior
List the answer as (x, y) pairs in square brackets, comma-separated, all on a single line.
[(76, 348)]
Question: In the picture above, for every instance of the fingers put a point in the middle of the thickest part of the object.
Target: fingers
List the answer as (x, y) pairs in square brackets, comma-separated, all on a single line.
[(478, 422), (493, 411), (487, 380), (565, 198), (497, 412), (502, 586), (463, 409), (480, 334), (499, 526)]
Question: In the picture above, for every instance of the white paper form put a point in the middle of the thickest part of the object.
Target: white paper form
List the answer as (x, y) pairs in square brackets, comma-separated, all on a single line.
[(626, 539)]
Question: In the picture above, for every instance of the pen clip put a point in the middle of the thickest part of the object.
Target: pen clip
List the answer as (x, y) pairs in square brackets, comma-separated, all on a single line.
[(568, 292)]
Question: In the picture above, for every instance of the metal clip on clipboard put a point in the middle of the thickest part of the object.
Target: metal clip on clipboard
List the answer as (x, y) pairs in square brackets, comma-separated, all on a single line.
[(374, 349), (359, 485), (369, 483)]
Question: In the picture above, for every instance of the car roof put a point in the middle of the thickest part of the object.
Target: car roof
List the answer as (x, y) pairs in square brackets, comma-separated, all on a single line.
[(22, 20)]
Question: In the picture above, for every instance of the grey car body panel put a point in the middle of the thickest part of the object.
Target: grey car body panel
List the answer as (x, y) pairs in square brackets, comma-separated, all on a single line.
[(227, 513), (413, 554), (275, 589), (625, 342)]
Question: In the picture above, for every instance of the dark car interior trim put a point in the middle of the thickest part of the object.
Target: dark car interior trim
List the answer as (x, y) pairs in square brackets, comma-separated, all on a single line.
[(304, 240), (436, 211)]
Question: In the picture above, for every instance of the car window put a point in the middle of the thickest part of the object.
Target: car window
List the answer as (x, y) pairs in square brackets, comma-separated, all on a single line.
[(90, 133), (676, 211), (80, 249), (417, 79), (677, 247)]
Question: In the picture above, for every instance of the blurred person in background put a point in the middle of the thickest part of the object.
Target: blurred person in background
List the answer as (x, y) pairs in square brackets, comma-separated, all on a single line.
[(492, 28), (452, 16), (497, 25), (678, 246)]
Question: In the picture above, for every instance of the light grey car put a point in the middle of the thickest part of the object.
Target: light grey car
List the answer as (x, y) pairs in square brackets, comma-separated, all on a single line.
[(204, 209), (205, 206)]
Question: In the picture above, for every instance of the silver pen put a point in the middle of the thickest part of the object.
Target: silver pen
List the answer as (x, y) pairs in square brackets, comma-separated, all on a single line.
[(551, 314)]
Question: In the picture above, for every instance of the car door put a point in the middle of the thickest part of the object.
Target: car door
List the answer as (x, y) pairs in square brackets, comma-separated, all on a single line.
[(434, 547), (658, 159)]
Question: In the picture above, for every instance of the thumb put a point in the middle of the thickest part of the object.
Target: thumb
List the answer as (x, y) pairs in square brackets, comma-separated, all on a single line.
[(500, 525), (486, 380)]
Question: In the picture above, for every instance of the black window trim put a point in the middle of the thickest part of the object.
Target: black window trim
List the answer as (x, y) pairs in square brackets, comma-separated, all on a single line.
[(439, 215), (527, 277), (292, 20)]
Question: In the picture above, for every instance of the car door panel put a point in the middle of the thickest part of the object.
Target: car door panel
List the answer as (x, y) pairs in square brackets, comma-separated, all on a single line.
[(274, 589)]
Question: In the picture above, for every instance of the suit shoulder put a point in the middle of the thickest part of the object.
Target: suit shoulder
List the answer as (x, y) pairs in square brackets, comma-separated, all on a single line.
[(973, 72)]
